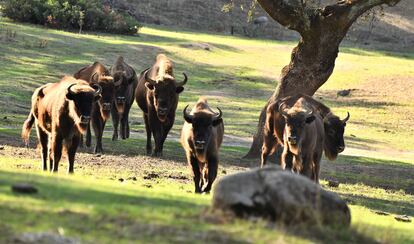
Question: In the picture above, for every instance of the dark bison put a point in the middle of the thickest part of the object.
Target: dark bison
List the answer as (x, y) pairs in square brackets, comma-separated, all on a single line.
[(61, 112), (303, 138), (201, 137), (157, 96), (101, 110), (275, 124), (125, 80)]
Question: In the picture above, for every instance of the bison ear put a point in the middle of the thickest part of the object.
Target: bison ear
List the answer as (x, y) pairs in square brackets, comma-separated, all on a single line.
[(217, 122), (310, 119), (179, 89), (149, 86)]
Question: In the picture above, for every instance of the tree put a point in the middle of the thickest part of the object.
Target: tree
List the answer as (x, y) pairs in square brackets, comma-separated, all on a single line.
[(313, 60)]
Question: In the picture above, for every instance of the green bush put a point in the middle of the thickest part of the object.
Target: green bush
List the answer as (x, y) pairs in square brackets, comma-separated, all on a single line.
[(71, 14)]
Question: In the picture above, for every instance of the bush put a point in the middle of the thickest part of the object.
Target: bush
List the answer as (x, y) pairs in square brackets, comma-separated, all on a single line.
[(91, 15)]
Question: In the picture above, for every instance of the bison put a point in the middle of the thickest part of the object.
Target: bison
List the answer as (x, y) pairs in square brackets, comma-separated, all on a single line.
[(157, 95), (98, 74), (61, 112), (275, 124), (125, 80), (201, 137)]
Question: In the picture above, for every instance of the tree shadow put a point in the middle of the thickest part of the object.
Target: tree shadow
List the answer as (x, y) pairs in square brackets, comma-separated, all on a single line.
[(386, 174), (127, 216)]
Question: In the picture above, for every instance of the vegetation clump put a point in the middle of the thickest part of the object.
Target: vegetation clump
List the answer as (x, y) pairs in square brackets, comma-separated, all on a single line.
[(93, 15)]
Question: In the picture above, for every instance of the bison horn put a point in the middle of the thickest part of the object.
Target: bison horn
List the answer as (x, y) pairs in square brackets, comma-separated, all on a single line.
[(182, 83), (186, 115), (149, 80), (346, 119), (98, 89), (281, 109), (70, 89), (218, 115)]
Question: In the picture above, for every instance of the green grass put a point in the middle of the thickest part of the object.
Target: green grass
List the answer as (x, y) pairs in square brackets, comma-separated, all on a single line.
[(238, 75)]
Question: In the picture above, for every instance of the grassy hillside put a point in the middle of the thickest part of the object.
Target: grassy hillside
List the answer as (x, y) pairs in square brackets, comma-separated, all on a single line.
[(238, 75)]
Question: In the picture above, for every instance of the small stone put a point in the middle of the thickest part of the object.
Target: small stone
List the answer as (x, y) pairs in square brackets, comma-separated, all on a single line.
[(98, 155), (5, 117), (25, 188), (147, 185), (224, 172), (1, 147), (121, 180), (381, 213), (333, 183), (343, 93), (403, 218)]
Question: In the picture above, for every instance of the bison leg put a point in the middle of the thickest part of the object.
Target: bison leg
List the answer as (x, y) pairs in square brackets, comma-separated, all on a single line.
[(56, 152), (43, 138), (317, 164), (115, 122), (71, 153), (307, 167), (88, 141), (212, 172), (125, 123), (148, 129), (98, 125), (196, 172)]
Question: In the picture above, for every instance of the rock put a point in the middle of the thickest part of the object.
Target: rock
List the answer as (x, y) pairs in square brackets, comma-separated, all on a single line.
[(25, 188), (197, 46), (1, 147), (381, 213), (402, 218), (44, 238), (121, 179), (279, 196), (343, 93), (333, 183)]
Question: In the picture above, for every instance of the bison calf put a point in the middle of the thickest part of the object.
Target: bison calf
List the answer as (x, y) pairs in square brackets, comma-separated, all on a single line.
[(201, 137), (61, 112)]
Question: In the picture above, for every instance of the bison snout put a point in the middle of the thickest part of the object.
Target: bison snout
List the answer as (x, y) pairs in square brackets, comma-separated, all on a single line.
[(106, 106), (120, 100), (199, 144), (85, 119), (292, 140), (341, 149), (162, 111)]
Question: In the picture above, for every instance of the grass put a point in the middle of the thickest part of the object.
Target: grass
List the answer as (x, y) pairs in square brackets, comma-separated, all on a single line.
[(238, 75)]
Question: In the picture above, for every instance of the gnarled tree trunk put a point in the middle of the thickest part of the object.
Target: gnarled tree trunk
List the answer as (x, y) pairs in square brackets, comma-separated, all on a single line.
[(313, 59)]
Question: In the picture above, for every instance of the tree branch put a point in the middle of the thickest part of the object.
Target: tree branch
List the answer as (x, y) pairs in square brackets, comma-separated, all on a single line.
[(352, 9), (289, 13)]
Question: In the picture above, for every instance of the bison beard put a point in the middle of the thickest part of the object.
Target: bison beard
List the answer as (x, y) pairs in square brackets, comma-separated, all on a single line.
[(201, 137), (61, 112)]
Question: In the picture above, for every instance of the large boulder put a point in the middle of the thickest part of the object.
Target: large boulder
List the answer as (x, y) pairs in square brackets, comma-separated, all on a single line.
[(279, 195)]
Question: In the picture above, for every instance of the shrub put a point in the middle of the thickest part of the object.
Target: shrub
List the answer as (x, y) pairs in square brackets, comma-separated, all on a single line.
[(91, 15)]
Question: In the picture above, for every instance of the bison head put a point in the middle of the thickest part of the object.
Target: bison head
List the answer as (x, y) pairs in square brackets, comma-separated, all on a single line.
[(107, 95), (164, 94), (121, 82), (202, 128), (334, 135), (295, 124), (83, 97)]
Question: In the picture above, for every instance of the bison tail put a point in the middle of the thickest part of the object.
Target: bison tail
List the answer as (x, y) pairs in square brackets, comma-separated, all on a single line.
[(27, 127)]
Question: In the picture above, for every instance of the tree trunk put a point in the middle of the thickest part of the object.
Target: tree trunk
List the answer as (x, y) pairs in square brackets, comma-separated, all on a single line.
[(313, 59)]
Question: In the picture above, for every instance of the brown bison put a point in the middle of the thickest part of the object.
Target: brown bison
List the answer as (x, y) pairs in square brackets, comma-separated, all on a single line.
[(201, 137), (125, 80), (157, 95), (61, 112), (98, 74), (275, 124)]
